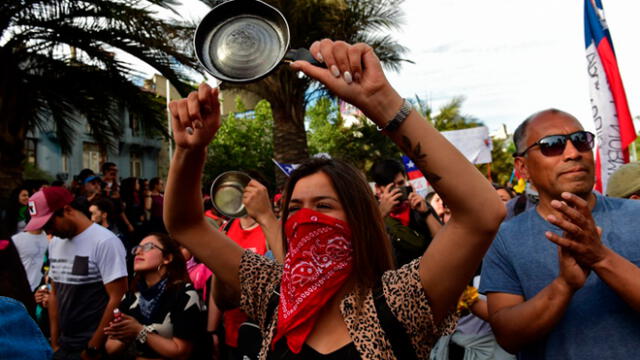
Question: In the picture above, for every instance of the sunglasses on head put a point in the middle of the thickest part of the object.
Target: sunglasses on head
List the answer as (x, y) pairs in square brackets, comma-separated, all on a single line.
[(554, 145), (146, 247)]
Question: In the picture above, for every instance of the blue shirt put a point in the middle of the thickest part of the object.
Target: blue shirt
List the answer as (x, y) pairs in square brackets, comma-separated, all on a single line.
[(597, 324)]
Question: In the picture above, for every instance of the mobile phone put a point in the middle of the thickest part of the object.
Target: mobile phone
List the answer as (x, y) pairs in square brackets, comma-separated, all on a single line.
[(405, 191)]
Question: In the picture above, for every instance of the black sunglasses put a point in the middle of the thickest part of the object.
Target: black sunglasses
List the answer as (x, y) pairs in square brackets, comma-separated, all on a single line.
[(553, 145)]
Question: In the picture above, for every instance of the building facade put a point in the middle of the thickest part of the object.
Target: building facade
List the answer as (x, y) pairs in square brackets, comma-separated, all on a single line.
[(134, 153)]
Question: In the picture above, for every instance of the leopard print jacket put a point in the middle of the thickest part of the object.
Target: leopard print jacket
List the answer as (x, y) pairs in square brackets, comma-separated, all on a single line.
[(402, 289)]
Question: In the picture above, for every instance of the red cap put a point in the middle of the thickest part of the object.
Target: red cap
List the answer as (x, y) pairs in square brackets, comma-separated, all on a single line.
[(44, 203)]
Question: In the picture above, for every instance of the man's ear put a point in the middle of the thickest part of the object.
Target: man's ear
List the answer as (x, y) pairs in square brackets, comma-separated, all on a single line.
[(68, 209), (521, 166), (378, 189)]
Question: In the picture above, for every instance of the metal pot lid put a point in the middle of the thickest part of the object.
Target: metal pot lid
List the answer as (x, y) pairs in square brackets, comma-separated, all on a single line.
[(226, 193), (241, 41)]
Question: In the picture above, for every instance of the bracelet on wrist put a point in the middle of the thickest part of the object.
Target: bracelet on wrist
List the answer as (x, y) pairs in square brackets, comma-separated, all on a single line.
[(142, 335), (397, 120)]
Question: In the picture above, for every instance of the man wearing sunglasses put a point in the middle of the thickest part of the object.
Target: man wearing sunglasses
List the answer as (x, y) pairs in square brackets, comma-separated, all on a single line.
[(88, 273), (562, 279)]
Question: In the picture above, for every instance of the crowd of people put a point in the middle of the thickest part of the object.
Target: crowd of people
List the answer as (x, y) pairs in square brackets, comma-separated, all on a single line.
[(332, 267)]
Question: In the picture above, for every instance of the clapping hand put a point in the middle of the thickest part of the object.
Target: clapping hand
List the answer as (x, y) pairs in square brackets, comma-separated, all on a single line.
[(581, 236)]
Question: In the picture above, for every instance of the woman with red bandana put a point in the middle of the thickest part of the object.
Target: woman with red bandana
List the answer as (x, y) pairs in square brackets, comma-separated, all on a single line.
[(337, 281)]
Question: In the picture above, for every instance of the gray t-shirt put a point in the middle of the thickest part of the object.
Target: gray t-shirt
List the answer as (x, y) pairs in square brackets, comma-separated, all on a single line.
[(598, 324), (79, 268)]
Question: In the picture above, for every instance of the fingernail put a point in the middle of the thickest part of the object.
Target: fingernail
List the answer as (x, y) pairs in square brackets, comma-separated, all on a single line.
[(189, 130), (335, 71), (356, 77), (319, 57), (347, 77)]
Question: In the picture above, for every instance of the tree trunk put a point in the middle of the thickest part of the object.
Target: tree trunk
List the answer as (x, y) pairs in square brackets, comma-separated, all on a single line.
[(286, 92), (289, 136)]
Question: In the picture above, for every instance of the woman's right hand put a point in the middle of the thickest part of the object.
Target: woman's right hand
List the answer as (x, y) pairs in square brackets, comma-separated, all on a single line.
[(256, 200), (196, 119)]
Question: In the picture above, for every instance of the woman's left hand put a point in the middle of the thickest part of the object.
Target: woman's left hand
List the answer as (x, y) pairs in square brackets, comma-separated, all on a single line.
[(354, 73), (125, 329)]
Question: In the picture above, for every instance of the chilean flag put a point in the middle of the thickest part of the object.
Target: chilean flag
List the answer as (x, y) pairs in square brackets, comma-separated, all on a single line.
[(416, 179), (609, 108)]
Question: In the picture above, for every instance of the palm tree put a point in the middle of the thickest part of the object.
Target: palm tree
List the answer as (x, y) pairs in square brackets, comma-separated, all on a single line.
[(310, 20), (449, 117), (59, 59)]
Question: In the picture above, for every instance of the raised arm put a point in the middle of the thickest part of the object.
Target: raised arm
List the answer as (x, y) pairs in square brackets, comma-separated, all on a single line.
[(354, 73), (256, 201), (195, 121)]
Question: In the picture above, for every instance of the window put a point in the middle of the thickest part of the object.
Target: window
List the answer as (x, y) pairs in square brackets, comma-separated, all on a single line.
[(65, 163), (136, 164), (92, 156), (134, 124), (30, 150)]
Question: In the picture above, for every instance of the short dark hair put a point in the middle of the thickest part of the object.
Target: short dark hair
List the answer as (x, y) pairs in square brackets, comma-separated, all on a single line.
[(508, 189), (153, 183), (383, 172), (107, 166), (106, 206), (519, 136)]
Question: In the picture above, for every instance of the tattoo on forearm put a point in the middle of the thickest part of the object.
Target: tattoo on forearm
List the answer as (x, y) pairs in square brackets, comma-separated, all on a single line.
[(420, 158)]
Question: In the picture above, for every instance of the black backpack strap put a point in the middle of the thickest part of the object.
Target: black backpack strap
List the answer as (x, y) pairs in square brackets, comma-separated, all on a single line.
[(393, 329), (271, 306), (520, 205), (227, 226)]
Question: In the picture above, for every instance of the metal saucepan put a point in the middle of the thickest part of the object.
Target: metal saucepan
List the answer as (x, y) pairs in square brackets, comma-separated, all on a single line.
[(240, 41), (226, 193)]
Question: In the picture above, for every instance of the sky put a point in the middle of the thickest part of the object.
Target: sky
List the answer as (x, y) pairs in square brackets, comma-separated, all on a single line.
[(507, 58)]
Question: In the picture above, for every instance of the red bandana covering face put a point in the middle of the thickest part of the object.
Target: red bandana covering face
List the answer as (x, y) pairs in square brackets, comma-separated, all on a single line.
[(317, 264)]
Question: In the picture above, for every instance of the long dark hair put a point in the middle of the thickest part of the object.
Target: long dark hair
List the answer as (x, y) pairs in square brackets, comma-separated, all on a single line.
[(127, 191), (14, 208), (372, 254), (176, 270)]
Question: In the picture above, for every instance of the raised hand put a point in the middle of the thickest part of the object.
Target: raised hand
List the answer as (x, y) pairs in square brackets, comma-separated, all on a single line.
[(581, 236), (354, 73), (388, 199), (417, 202), (196, 119), (256, 200)]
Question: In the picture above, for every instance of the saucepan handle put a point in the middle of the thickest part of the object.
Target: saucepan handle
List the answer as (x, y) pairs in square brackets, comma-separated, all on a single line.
[(302, 54)]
